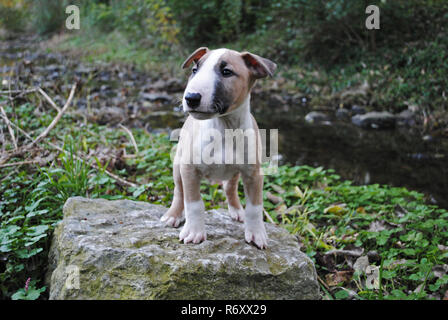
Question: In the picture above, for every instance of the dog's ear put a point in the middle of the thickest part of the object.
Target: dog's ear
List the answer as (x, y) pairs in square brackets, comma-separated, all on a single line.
[(195, 56), (258, 66)]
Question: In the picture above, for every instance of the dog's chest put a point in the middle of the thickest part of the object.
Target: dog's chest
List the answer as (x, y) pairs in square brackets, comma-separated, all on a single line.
[(221, 152)]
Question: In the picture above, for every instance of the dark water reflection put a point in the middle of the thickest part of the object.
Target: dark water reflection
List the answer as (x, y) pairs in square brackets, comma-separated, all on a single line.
[(396, 157)]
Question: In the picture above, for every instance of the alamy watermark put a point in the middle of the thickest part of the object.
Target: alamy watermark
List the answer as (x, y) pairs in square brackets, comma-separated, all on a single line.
[(373, 20), (231, 146), (72, 280), (73, 21)]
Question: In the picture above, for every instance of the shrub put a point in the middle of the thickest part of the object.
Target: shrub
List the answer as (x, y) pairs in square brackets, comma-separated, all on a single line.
[(203, 21), (13, 15), (327, 31), (48, 15), (144, 21)]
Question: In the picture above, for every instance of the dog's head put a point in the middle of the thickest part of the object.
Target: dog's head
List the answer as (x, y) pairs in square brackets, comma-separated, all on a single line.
[(220, 80)]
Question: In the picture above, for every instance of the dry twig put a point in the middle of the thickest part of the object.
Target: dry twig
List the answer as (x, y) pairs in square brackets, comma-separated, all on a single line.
[(56, 119), (93, 165), (131, 136), (8, 123), (324, 284), (268, 216), (19, 163), (50, 101), (9, 92)]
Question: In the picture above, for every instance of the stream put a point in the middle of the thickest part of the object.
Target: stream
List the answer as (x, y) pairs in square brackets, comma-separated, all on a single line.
[(112, 94)]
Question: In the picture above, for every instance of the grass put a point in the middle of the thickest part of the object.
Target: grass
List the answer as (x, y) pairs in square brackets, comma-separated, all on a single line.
[(115, 47), (324, 212)]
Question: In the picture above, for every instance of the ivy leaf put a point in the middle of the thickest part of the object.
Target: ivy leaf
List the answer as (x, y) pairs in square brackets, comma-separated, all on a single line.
[(37, 230)]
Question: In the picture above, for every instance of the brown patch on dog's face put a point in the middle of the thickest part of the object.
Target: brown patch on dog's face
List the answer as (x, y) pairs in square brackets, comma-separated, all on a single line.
[(233, 82), (222, 79)]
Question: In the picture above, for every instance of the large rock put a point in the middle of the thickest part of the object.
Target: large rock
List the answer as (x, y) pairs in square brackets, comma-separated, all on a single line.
[(120, 250)]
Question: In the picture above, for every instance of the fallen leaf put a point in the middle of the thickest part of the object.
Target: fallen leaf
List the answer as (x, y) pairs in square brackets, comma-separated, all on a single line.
[(360, 210), (357, 252), (377, 226), (338, 277), (419, 288), (273, 198), (337, 209), (440, 270), (373, 277), (280, 209), (361, 264), (278, 189)]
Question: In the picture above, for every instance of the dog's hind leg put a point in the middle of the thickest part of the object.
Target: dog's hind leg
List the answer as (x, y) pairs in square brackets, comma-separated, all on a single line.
[(174, 216), (234, 205)]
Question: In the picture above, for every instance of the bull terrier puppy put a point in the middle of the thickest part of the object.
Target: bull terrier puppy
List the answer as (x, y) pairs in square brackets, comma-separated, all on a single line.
[(217, 99)]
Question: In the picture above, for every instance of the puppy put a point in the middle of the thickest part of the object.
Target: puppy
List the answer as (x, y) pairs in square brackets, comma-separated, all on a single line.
[(217, 99)]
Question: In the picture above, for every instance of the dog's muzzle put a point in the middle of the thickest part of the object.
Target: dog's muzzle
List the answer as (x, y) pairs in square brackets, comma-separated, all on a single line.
[(193, 100)]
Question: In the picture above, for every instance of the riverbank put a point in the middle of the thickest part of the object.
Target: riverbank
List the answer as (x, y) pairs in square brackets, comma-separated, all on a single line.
[(375, 85), (348, 230)]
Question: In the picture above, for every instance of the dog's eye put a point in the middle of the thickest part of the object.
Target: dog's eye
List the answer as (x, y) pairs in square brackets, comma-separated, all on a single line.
[(226, 72), (194, 70)]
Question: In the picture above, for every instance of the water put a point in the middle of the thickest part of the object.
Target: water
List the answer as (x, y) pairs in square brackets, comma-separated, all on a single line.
[(398, 157)]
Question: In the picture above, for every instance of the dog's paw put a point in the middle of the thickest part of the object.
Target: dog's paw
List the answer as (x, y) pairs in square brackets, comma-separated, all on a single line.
[(192, 233), (172, 221), (257, 235), (236, 214)]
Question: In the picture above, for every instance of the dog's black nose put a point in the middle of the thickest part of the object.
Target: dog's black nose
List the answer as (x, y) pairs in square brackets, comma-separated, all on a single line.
[(193, 99)]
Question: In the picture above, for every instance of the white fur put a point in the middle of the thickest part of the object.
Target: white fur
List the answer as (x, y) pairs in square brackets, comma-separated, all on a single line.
[(194, 228), (254, 229), (239, 118), (236, 214), (173, 221), (203, 82)]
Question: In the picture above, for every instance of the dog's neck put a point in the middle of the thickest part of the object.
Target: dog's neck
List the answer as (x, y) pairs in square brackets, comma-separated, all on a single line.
[(239, 118)]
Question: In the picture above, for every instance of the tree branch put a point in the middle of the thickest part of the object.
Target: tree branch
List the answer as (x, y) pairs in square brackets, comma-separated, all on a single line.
[(8, 123), (50, 101)]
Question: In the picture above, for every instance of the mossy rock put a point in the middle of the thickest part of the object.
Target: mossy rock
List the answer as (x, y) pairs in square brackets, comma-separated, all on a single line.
[(120, 250)]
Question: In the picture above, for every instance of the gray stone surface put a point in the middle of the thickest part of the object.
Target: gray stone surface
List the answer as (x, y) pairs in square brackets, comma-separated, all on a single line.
[(374, 120), (120, 250), (316, 116)]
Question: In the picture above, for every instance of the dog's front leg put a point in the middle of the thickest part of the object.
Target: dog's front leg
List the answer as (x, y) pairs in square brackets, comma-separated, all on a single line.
[(254, 229), (194, 228)]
